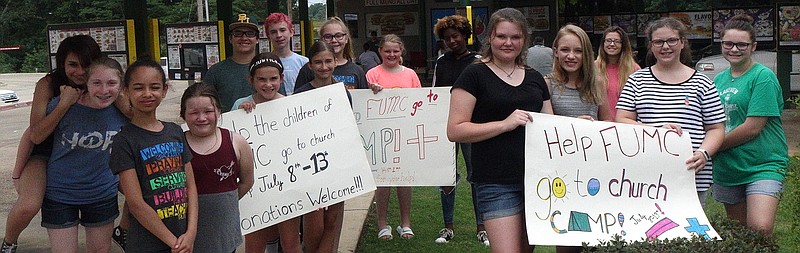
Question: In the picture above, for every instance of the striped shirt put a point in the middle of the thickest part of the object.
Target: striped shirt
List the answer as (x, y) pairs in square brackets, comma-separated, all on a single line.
[(692, 104)]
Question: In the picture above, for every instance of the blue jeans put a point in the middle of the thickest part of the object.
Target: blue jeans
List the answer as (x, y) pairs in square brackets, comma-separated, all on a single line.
[(449, 198), (58, 215)]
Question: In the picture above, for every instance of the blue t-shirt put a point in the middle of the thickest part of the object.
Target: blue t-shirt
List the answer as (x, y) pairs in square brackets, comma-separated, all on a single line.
[(77, 171), (291, 67)]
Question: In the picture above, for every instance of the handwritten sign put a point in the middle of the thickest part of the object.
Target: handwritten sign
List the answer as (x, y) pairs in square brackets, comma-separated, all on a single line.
[(404, 134), (307, 155), (587, 181)]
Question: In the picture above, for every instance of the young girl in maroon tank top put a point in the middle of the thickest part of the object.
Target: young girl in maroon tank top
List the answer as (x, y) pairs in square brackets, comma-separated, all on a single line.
[(223, 169)]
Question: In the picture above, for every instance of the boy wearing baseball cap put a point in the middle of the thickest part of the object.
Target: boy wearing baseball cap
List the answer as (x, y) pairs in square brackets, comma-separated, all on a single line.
[(229, 77)]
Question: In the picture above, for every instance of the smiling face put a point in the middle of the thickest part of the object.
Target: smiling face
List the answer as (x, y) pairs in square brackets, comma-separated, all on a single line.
[(666, 53), (279, 35), (735, 55), (103, 87), (201, 115), (329, 33), (266, 81), (322, 64), (241, 42), (559, 188), (506, 41), (569, 53), (615, 48), (76, 73), (391, 53), (146, 89)]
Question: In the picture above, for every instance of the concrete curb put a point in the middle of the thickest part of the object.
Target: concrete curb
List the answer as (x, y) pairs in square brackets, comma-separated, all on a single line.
[(355, 214), (15, 105)]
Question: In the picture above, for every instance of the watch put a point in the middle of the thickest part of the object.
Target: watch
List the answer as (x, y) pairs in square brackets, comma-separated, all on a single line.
[(705, 153)]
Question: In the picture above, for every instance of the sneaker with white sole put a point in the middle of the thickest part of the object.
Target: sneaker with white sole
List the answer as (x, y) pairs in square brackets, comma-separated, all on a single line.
[(8, 247), (120, 236), (445, 235), (483, 237)]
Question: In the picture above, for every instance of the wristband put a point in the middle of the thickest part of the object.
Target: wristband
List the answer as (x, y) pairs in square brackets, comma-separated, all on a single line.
[(705, 153), (14, 178)]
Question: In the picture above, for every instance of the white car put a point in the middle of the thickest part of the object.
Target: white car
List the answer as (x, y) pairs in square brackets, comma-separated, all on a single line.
[(8, 96), (714, 64)]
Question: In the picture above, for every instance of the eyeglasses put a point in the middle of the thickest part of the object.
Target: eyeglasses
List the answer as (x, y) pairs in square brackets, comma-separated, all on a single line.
[(613, 41), (329, 37), (670, 42), (249, 34), (740, 45)]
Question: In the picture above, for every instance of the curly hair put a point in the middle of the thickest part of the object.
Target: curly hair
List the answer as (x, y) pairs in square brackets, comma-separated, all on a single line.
[(278, 17), (459, 23)]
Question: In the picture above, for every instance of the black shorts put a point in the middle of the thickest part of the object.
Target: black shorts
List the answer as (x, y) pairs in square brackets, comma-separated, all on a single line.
[(43, 149)]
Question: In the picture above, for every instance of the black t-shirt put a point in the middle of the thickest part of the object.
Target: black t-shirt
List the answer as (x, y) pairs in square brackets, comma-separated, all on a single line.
[(308, 87), (352, 75), (448, 68), (500, 159)]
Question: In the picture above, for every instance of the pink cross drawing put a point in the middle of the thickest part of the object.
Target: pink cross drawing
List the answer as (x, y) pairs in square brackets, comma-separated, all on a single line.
[(425, 139)]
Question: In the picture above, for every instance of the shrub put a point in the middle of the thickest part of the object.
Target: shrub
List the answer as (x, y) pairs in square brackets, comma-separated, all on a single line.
[(735, 238)]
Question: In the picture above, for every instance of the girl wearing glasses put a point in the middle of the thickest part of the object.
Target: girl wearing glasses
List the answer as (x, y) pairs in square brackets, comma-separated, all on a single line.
[(674, 96), (334, 32), (614, 64), (752, 161)]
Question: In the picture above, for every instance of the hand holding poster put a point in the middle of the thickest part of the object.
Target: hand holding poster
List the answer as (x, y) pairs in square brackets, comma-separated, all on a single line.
[(307, 155), (404, 133), (587, 181)]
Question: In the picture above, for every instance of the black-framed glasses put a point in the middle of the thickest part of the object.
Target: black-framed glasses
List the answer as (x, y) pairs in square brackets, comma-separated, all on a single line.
[(337, 36), (613, 41), (670, 42), (740, 45), (249, 34)]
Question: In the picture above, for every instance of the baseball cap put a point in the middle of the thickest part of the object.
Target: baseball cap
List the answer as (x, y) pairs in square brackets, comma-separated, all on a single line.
[(242, 21)]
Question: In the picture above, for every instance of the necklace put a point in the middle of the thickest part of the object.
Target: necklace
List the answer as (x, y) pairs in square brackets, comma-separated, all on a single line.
[(216, 141), (508, 75)]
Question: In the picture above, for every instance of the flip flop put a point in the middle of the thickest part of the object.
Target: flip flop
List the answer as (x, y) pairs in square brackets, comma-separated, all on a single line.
[(405, 232), (385, 233)]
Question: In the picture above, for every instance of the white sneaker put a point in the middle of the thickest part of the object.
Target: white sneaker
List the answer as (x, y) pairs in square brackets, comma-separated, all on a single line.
[(483, 237), (445, 235)]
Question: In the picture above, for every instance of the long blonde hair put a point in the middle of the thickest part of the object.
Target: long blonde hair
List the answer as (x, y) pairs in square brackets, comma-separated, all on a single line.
[(347, 51), (590, 89), (626, 63)]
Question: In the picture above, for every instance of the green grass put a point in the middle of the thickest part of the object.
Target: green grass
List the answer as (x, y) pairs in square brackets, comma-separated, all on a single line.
[(426, 220)]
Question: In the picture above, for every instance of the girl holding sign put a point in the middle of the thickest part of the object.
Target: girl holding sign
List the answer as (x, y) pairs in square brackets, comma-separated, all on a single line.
[(391, 74), (675, 96), (751, 164), (155, 173), (489, 108), (574, 89), (223, 168), (322, 228), (266, 76)]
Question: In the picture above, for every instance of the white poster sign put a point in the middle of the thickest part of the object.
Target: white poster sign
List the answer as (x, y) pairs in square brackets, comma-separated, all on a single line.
[(404, 134), (307, 155), (588, 181)]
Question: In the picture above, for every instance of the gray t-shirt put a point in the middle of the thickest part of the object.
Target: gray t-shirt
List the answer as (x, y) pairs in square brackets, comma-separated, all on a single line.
[(567, 101), (540, 58), (230, 80)]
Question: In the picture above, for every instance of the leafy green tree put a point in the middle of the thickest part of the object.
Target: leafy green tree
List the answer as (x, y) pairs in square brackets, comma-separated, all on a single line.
[(7, 63), (35, 61)]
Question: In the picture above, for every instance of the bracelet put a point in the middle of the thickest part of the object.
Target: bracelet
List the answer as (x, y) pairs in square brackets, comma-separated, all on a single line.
[(15, 178), (705, 153)]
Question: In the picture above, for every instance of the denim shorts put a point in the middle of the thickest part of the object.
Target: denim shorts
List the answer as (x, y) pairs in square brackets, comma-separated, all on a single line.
[(499, 200), (57, 215), (738, 193)]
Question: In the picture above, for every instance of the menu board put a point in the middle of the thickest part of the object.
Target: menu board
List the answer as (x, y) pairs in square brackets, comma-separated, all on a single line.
[(110, 39), (538, 18), (698, 23), (643, 20), (192, 34), (762, 22), (601, 23), (586, 23), (626, 22), (399, 23), (789, 23)]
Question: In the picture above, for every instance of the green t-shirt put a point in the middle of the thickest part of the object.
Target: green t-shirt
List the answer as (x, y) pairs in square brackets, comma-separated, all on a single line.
[(230, 80), (756, 93)]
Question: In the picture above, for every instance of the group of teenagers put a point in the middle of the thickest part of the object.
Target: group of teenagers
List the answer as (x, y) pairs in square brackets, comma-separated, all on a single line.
[(94, 132)]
